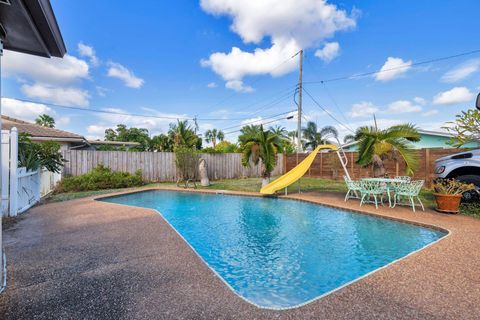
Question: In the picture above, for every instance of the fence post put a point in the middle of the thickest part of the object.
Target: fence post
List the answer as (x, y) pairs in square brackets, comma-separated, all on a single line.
[(427, 168), (13, 172), (5, 146)]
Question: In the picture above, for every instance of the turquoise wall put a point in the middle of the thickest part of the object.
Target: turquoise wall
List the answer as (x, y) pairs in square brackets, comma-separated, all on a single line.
[(428, 141)]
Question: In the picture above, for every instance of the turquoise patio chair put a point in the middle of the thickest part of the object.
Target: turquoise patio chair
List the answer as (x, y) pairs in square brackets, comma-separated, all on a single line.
[(369, 189), (410, 191), (353, 189), (403, 178)]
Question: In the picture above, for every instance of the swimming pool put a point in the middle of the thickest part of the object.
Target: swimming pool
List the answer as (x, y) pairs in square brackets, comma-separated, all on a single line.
[(279, 253)]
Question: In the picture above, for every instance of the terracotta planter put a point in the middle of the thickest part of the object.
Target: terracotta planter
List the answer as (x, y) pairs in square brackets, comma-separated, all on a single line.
[(448, 203)]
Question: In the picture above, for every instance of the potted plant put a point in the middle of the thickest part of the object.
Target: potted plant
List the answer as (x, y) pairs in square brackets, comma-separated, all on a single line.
[(448, 194)]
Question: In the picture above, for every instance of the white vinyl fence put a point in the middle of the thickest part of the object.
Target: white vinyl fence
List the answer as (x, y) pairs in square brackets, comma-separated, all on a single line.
[(21, 189)]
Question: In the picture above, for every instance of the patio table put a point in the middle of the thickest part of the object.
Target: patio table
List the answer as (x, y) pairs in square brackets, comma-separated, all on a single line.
[(388, 183)]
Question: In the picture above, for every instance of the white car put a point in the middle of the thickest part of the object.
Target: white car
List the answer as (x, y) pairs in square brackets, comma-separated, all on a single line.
[(464, 166)]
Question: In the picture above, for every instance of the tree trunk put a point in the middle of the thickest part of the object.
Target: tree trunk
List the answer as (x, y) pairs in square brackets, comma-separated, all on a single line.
[(378, 167)]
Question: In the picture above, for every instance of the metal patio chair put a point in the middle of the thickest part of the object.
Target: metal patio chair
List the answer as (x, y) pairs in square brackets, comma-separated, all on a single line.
[(353, 189), (403, 178), (409, 191), (369, 189)]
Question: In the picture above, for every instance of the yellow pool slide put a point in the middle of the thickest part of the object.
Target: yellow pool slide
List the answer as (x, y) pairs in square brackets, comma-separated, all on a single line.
[(296, 173)]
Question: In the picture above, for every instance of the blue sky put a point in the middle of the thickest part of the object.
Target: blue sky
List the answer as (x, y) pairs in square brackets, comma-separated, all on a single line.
[(175, 59)]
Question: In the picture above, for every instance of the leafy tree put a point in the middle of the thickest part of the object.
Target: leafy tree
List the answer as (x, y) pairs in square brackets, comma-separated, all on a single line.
[(314, 137), (45, 120), (34, 155), (226, 147), (258, 144), (161, 143), (125, 134), (375, 146), (186, 162), (466, 128), (214, 135), (182, 134)]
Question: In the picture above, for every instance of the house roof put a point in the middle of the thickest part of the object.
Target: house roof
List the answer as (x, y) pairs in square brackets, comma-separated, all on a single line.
[(39, 132), (421, 131), (30, 27)]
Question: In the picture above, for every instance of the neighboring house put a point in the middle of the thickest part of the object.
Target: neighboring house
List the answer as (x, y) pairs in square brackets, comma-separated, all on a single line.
[(67, 140), (428, 140)]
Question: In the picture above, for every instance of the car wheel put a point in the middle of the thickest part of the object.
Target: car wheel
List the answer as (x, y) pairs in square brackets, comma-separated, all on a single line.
[(472, 195)]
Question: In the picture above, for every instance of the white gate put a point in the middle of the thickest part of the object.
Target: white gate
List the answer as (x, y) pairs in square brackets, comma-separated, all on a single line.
[(21, 189)]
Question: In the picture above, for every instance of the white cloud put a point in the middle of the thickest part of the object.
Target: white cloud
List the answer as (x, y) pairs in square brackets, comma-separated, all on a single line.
[(329, 52), (430, 113), (101, 91), (252, 121), (88, 51), (51, 71), (57, 95), (462, 71), (26, 111), (392, 69), (116, 70), (290, 25), (403, 106), (153, 125), (237, 64), (212, 85), (453, 96), (238, 86), (363, 109), (420, 101)]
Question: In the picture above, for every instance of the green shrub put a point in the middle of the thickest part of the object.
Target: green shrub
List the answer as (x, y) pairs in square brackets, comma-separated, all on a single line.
[(100, 178)]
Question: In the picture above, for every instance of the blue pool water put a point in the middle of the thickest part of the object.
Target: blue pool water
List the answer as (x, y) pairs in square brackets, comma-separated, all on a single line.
[(279, 253)]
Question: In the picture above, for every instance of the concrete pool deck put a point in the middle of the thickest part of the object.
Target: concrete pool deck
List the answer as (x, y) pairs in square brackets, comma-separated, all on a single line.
[(95, 260)]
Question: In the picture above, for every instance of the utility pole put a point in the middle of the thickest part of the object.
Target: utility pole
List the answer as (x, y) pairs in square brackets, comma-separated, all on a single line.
[(299, 120), (299, 115)]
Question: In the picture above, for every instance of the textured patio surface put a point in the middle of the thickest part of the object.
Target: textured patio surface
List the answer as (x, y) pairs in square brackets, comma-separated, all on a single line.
[(84, 259)]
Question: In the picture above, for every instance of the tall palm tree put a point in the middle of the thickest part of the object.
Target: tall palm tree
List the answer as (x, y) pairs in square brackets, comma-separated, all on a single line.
[(182, 134), (45, 120), (258, 144), (315, 138), (349, 138), (376, 145), (214, 135)]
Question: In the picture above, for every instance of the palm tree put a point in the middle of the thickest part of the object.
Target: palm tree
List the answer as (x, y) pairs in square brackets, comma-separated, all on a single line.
[(258, 144), (182, 134), (375, 146), (348, 138), (314, 137), (45, 120), (214, 135)]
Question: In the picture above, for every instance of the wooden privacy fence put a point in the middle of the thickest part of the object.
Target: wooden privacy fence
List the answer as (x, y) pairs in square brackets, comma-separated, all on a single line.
[(160, 166), (326, 165)]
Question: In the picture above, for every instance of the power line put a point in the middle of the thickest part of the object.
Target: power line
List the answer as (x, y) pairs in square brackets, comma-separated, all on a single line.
[(336, 105), (395, 68), (328, 112), (254, 121), (268, 122), (126, 113)]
